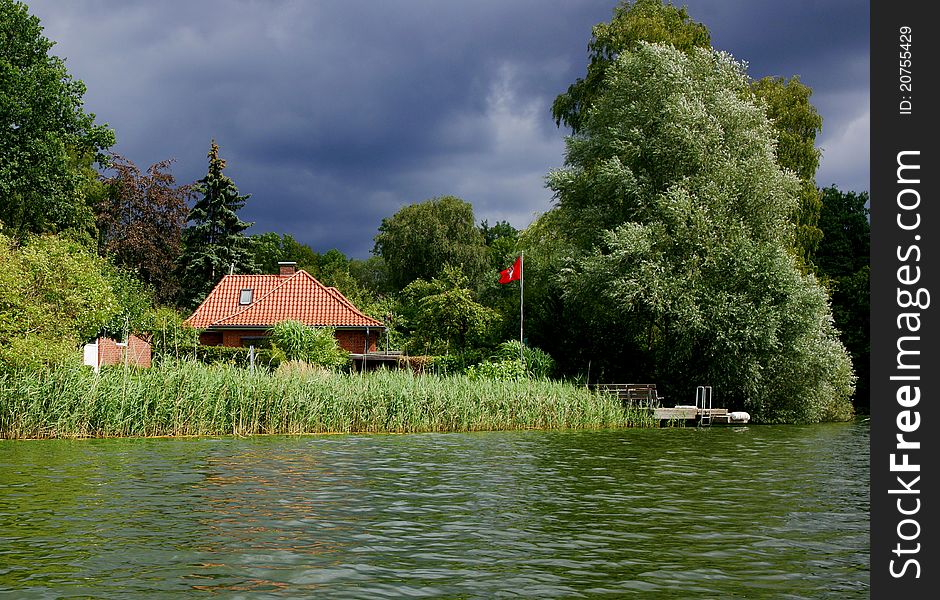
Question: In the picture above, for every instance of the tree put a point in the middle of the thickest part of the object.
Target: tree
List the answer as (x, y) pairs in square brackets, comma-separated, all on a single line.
[(796, 123), (47, 135), (846, 242), (420, 239), (371, 274), (270, 248), (679, 212), (640, 21), (140, 223), (215, 242), (501, 240), (54, 295), (843, 261), (443, 317)]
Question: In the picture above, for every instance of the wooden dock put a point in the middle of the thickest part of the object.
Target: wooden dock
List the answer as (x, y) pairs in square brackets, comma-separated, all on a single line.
[(718, 416), (644, 395)]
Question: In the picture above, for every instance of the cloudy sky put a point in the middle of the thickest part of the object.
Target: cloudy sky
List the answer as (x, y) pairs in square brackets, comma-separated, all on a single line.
[(334, 114)]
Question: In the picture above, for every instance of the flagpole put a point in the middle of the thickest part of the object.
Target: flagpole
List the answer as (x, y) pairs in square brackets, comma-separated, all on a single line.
[(521, 287)]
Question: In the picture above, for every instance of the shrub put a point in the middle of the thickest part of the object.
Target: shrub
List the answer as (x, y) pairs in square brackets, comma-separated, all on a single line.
[(538, 363), (457, 362), (314, 345), (504, 370), (169, 335), (239, 357)]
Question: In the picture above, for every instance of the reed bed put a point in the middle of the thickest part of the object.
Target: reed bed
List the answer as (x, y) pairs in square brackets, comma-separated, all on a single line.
[(191, 399)]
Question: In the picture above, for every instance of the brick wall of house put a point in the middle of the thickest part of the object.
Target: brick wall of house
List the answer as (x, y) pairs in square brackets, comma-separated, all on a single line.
[(136, 350), (351, 340), (233, 337), (210, 338), (354, 340)]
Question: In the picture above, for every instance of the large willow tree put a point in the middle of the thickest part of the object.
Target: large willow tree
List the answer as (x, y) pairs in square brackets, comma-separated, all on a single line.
[(678, 216)]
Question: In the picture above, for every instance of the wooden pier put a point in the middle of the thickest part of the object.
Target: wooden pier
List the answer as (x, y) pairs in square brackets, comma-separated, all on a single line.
[(644, 395), (693, 414)]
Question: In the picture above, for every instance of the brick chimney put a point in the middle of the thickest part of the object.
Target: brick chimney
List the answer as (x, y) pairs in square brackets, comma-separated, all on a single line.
[(287, 268)]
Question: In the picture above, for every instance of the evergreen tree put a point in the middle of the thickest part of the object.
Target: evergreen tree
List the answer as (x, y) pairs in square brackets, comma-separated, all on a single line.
[(214, 242)]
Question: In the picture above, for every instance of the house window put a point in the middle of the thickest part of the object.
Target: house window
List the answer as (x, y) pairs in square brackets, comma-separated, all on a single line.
[(245, 297)]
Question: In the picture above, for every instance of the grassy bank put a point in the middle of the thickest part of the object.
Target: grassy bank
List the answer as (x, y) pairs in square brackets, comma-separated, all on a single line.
[(191, 399)]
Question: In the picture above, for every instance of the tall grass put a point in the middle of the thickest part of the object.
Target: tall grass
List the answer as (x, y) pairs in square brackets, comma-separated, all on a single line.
[(187, 398)]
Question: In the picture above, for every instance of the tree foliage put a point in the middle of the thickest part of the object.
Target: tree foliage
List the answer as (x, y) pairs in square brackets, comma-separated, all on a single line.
[(140, 223), (270, 248), (420, 239), (442, 315), (679, 213), (55, 294), (796, 123), (313, 345), (846, 242), (47, 135), (214, 242), (170, 336), (632, 23), (843, 261)]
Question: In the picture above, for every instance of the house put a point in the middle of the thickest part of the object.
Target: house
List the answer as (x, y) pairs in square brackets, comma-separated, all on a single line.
[(105, 351), (242, 308)]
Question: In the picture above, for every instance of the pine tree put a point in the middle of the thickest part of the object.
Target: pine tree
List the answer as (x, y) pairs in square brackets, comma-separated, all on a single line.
[(215, 242)]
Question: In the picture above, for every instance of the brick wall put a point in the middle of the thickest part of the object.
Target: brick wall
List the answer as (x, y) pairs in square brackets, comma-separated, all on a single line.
[(354, 340), (351, 340), (233, 338), (136, 350), (210, 338)]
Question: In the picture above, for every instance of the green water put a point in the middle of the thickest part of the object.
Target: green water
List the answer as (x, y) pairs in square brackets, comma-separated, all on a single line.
[(776, 512)]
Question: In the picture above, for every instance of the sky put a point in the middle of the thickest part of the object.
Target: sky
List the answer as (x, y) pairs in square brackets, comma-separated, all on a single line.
[(335, 114)]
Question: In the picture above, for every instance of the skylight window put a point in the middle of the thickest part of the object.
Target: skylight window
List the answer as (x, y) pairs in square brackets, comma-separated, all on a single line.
[(245, 297)]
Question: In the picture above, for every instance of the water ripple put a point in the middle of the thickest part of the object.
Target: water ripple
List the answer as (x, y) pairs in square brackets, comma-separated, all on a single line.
[(758, 512)]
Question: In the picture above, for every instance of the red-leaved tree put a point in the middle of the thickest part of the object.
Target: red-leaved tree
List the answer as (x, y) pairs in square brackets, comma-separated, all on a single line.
[(140, 222)]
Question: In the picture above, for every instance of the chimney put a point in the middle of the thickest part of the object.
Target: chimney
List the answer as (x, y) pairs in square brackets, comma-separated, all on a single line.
[(287, 268)]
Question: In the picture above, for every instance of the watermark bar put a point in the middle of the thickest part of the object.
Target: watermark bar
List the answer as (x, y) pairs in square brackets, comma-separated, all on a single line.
[(905, 369)]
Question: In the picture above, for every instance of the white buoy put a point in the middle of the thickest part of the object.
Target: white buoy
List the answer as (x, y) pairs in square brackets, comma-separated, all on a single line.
[(739, 417)]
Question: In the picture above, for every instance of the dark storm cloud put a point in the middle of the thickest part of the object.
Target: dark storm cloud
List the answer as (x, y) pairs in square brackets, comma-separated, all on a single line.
[(826, 44), (335, 114)]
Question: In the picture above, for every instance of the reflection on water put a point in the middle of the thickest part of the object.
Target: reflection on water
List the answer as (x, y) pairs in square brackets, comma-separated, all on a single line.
[(722, 513)]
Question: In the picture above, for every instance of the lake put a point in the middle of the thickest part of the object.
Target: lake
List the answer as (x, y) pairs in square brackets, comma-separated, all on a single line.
[(749, 512)]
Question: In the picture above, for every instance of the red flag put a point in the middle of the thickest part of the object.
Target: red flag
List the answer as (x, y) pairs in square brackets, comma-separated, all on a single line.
[(512, 273)]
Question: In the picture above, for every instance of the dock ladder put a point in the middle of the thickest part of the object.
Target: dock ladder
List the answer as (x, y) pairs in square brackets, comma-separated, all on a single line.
[(703, 403)]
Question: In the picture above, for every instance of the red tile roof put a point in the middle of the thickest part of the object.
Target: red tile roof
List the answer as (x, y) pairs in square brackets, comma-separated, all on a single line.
[(299, 297)]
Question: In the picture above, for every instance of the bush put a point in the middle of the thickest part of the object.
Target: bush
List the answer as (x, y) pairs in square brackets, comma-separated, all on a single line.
[(54, 295), (225, 355), (538, 363), (504, 370), (169, 335), (314, 345), (457, 362)]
